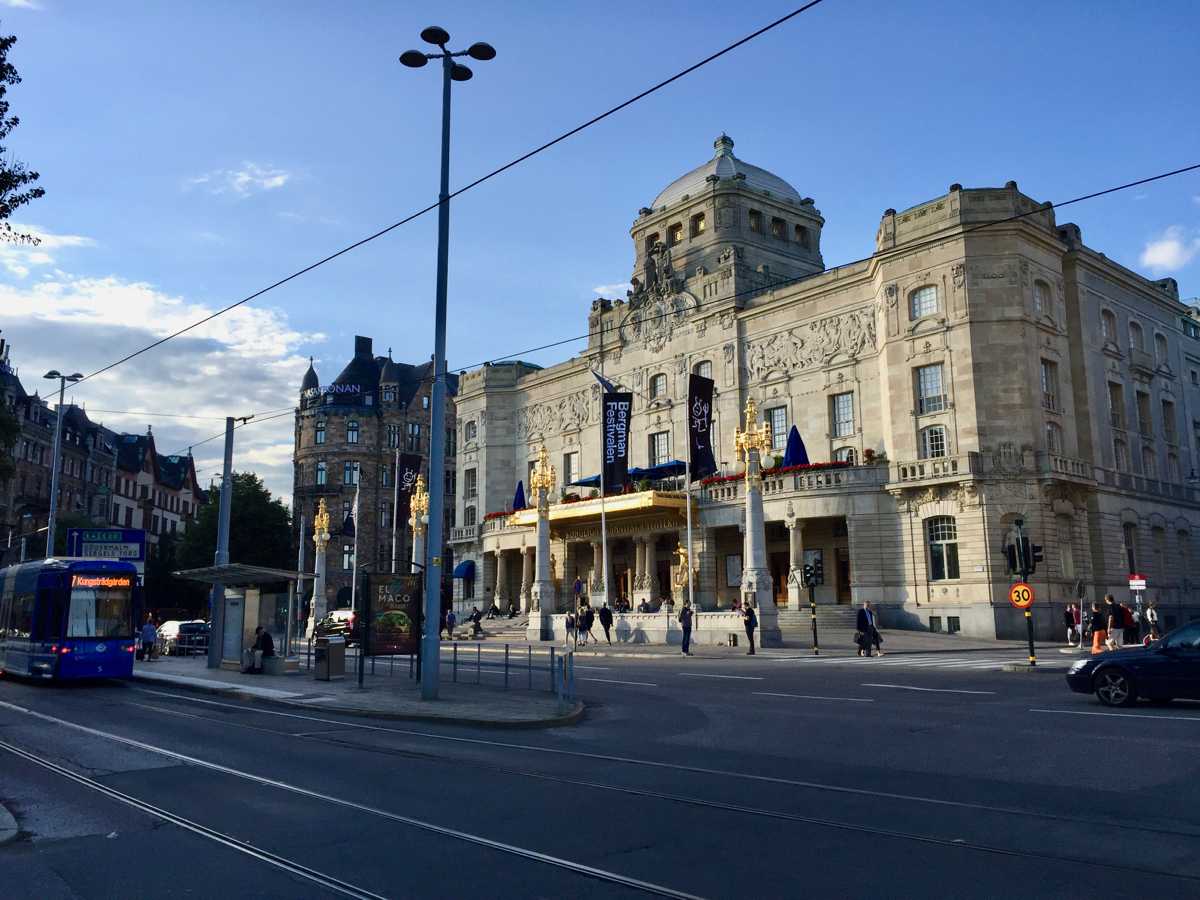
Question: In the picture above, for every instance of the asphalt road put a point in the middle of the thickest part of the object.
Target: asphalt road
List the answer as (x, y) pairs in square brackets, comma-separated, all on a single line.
[(915, 776)]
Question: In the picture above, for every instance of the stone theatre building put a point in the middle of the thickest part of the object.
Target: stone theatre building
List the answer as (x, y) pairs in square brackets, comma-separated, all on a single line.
[(983, 365)]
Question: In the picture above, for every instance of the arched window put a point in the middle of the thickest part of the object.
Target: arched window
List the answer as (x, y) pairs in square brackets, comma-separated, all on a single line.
[(1054, 440), (1129, 537), (352, 432), (1108, 326), (470, 431), (845, 454), (320, 433), (1149, 464), (941, 534), (658, 386), (1160, 349), (922, 302), (1137, 339), (931, 443), (703, 368), (1041, 297), (321, 473), (1121, 455)]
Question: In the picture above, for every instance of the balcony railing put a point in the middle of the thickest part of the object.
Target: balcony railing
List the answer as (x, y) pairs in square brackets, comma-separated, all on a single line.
[(817, 480), (1057, 464), (1140, 359), (936, 468), (464, 533)]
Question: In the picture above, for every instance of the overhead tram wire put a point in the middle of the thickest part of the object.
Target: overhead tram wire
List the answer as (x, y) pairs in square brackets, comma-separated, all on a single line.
[(478, 181)]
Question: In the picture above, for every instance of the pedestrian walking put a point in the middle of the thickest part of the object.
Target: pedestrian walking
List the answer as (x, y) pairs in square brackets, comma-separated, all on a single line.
[(1099, 628), (589, 620), (864, 628), (570, 624), (1069, 621), (751, 622), (1152, 620), (1129, 626), (606, 621), (685, 622), (149, 637), (1114, 623), (578, 591), (1078, 616), (876, 637), (451, 620)]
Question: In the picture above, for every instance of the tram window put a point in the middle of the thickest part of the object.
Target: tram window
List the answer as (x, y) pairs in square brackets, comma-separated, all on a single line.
[(48, 624), (99, 611), (22, 616)]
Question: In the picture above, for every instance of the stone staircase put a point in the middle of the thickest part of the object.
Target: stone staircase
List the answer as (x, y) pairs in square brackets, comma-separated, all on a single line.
[(504, 630), (837, 620)]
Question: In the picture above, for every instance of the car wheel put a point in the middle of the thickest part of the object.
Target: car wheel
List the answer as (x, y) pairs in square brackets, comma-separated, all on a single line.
[(1114, 687)]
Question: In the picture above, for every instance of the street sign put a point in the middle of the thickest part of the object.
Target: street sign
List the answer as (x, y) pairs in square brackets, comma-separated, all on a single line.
[(1020, 595), (1137, 582), (128, 544)]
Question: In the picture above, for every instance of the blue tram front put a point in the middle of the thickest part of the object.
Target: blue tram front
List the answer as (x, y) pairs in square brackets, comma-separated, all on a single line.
[(68, 618)]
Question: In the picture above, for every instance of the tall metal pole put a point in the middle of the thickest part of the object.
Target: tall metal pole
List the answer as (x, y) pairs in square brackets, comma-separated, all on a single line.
[(56, 466), (431, 653), (221, 557), (354, 557), (603, 517), (395, 504), (687, 486), (300, 571)]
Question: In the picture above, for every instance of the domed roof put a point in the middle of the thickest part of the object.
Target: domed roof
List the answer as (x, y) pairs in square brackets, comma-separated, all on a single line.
[(724, 165), (310, 380)]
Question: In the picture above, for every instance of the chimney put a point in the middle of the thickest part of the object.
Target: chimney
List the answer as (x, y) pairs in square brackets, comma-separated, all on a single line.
[(362, 346)]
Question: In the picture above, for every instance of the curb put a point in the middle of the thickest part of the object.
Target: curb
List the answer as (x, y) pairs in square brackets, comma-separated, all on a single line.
[(1055, 668), (8, 826), (570, 717)]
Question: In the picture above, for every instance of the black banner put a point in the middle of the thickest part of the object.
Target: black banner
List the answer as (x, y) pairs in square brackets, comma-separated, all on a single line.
[(616, 409), (406, 478), (702, 462), (393, 614)]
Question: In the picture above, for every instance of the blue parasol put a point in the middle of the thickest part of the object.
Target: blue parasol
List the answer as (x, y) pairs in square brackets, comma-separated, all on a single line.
[(795, 454), (519, 497)]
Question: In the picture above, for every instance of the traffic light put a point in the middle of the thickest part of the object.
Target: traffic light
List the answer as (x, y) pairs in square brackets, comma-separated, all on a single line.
[(818, 571), (1010, 553), (808, 575), (1033, 556)]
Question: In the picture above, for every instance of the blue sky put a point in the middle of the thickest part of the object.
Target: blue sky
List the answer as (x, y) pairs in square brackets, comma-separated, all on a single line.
[(192, 153)]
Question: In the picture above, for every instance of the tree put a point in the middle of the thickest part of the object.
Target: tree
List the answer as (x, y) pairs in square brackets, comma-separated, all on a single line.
[(16, 180), (260, 530)]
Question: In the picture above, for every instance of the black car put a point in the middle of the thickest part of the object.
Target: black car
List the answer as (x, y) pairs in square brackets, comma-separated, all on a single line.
[(341, 623), (1167, 669)]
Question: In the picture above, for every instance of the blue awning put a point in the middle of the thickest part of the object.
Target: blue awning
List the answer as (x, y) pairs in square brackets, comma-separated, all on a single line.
[(465, 569), (592, 481), (670, 469)]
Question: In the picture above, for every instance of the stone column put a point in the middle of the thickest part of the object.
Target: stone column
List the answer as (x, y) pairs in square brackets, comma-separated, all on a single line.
[(418, 548), (527, 563), (316, 609), (645, 557), (500, 594), (542, 593), (796, 591), (756, 576)]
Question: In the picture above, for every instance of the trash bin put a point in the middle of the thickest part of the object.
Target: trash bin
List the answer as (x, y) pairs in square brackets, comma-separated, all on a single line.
[(329, 659)]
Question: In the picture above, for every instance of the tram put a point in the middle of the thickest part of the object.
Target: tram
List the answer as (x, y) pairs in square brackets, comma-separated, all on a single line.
[(63, 619)]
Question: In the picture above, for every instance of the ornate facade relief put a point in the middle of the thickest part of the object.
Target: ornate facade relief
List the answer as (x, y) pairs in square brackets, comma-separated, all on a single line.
[(653, 321), (848, 335), (555, 416)]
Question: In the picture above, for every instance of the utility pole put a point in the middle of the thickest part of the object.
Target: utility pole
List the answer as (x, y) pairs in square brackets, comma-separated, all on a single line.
[(216, 601), (1023, 557), (56, 462)]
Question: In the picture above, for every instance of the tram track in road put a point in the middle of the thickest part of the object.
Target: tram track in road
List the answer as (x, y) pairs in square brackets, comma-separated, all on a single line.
[(965, 845), (577, 868)]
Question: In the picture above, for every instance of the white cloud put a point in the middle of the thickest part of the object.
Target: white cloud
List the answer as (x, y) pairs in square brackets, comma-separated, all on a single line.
[(1170, 252), (19, 259), (245, 361), (20, 4), (605, 290), (251, 178), (1196, 199)]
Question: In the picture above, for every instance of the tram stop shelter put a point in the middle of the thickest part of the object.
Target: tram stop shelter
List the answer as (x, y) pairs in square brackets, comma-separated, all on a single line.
[(253, 596)]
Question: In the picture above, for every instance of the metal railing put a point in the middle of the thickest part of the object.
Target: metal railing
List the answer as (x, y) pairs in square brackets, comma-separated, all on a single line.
[(467, 662)]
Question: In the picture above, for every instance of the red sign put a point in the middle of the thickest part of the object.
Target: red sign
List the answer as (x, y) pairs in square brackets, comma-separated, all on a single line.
[(1020, 595)]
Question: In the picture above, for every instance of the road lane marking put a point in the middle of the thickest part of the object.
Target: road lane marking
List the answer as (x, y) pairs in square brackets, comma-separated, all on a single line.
[(910, 687), (597, 668), (813, 697), (524, 852), (614, 681), (658, 764), (734, 677), (1116, 715)]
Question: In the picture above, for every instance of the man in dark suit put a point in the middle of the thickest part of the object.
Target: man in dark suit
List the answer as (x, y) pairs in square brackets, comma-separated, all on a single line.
[(864, 627)]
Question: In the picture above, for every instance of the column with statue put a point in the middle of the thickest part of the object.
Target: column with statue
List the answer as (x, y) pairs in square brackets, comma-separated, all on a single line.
[(541, 483), (316, 608), (757, 587), (418, 519)]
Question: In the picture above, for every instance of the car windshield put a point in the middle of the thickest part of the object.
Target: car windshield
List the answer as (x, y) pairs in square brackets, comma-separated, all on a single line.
[(1187, 637), (100, 606)]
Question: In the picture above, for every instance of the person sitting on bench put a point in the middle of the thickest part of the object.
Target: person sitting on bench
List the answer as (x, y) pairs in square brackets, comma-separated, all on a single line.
[(264, 646)]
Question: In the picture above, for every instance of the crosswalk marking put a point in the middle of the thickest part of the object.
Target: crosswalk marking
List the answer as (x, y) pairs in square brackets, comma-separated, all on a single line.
[(940, 661)]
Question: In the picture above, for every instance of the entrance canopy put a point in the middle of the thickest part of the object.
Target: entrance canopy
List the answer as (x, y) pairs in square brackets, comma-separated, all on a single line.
[(583, 510), (238, 574), (465, 569)]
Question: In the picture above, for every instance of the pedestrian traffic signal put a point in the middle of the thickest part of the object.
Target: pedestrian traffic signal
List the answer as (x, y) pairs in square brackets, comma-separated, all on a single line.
[(808, 575)]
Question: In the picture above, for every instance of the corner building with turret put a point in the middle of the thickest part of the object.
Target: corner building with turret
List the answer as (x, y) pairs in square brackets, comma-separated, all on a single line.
[(349, 432), (983, 365)]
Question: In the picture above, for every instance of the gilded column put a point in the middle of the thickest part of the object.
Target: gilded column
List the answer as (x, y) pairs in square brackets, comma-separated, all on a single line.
[(316, 608), (756, 575), (541, 482), (418, 520)]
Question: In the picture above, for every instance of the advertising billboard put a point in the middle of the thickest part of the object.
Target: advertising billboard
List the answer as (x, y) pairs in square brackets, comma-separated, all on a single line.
[(393, 615)]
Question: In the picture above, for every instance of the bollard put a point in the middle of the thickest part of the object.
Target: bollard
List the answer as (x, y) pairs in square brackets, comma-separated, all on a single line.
[(506, 667), (529, 666), (454, 665), (553, 680), (478, 655)]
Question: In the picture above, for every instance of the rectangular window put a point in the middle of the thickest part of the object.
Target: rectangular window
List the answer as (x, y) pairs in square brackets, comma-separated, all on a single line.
[(385, 476), (393, 436), (385, 515), (1049, 384), (932, 442), (1145, 426), (320, 433), (1168, 417), (469, 517), (660, 447), (756, 221), (414, 436), (674, 234), (425, 402), (470, 484), (451, 446), (698, 224), (779, 229), (776, 417), (350, 473), (942, 536), (451, 482), (347, 557), (1116, 405), (930, 398), (570, 467), (953, 624), (841, 407)]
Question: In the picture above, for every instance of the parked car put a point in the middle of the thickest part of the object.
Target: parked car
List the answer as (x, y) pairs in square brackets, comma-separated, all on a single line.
[(1167, 669), (177, 638), (341, 623)]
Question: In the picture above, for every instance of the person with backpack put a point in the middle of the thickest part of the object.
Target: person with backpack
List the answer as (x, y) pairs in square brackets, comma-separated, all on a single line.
[(606, 621), (751, 622), (685, 622)]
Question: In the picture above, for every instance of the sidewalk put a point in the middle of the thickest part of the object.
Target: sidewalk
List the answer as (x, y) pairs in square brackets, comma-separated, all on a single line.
[(382, 697)]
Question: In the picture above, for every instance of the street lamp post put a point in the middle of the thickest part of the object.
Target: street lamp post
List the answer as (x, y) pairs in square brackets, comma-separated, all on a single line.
[(56, 463), (451, 71)]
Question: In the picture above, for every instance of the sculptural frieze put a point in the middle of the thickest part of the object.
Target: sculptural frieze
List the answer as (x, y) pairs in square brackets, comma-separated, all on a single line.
[(654, 320), (567, 413), (848, 335)]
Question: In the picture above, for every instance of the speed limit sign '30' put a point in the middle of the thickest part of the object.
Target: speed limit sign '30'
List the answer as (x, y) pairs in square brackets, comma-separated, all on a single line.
[(1020, 595)]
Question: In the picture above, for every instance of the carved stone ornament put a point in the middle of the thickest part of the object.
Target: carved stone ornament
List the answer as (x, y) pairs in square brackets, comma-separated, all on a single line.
[(726, 320), (653, 322), (960, 275), (728, 354), (818, 343), (1008, 459), (555, 416)]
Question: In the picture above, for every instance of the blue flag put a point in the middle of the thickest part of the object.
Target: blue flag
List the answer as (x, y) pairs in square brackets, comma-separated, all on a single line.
[(608, 386)]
